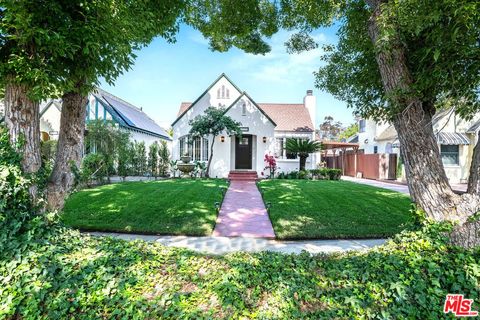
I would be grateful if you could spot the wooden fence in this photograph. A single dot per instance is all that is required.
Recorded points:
(378, 166)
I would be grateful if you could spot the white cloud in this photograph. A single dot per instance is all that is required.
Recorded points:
(278, 65)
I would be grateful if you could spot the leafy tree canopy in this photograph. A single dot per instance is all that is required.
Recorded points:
(349, 131)
(61, 46)
(440, 38)
(214, 122)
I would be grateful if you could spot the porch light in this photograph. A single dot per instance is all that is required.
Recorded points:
(264, 139)
(222, 138)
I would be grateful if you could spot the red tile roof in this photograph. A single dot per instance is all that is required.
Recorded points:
(287, 116)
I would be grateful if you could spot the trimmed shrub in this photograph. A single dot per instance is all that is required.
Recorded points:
(322, 173)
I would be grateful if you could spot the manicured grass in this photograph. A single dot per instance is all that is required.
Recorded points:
(179, 206)
(333, 209)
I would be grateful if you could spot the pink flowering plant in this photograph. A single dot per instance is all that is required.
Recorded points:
(271, 165)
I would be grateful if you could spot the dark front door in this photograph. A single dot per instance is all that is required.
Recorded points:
(243, 152)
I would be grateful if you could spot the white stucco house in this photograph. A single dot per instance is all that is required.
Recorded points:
(456, 139)
(265, 127)
(104, 105)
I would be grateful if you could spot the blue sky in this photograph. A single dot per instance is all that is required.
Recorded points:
(165, 74)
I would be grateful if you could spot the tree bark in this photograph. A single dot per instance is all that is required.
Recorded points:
(210, 156)
(474, 175)
(426, 178)
(22, 117)
(466, 235)
(69, 148)
(303, 161)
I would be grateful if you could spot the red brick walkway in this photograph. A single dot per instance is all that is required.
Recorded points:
(243, 213)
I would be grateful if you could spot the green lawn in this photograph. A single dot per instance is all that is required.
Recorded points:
(180, 206)
(303, 209)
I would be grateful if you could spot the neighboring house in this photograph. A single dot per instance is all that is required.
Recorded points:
(456, 140)
(265, 126)
(103, 105)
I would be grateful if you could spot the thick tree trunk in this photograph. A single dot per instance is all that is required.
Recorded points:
(426, 176)
(22, 117)
(474, 176)
(210, 156)
(69, 148)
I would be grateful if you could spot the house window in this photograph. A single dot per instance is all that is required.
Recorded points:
(243, 141)
(449, 154)
(182, 142)
(279, 148)
(223, 92)
(244, 109)
(228, 94)
(361, 125)
(196, 148)
(375, 149)
(205, 149)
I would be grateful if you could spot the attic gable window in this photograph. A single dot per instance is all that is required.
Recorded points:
(223, 93)
(244, 109)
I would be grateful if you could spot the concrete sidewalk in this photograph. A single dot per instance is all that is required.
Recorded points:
(380, 184)
(223, 245)
(403, 188)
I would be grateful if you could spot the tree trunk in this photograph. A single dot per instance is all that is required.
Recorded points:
(22, 117)
(426, 177)
(474, 175)
(69, 148)
(210, 156)
(303, 161)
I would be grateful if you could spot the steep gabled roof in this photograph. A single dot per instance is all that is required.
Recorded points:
(56, 103)
(289, 116)
(186, 108)
(244, 94)
(128, 115)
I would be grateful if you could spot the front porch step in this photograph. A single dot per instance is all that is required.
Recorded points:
(243, 175)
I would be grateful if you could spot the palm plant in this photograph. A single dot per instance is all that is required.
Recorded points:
(302, 148)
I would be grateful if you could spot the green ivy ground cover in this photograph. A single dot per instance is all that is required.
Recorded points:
(173, 206)
(56, 273)
(302, 209)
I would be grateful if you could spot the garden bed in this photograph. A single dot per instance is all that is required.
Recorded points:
(306, 209)
(173, 206)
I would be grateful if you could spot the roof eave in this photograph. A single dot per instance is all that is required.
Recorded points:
(205, 92)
